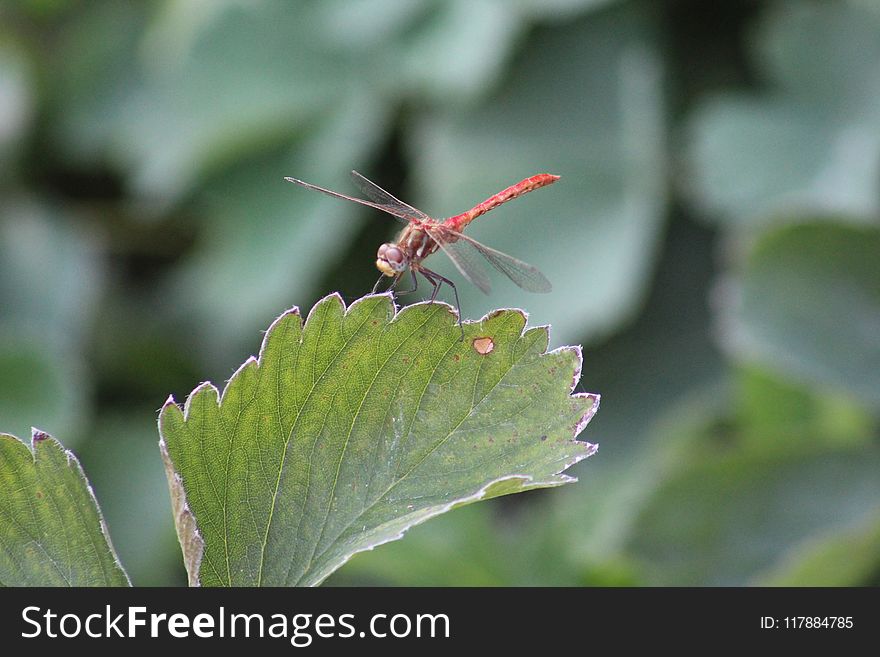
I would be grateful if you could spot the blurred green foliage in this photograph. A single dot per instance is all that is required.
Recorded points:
(714, 243)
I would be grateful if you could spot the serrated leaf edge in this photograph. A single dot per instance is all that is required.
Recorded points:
(192, 545)
(37, 436)
(185, 515)
(476, 497)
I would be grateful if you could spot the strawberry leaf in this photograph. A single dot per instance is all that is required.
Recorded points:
(350, 429)
(51, 530)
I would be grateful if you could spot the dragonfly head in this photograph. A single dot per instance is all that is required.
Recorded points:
(391, 260)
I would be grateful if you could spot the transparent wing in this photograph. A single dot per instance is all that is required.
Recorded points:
(393, 210)
(462, 250)
(466, 260)
(387, 200)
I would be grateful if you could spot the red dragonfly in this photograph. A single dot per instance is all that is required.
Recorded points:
(423, 236)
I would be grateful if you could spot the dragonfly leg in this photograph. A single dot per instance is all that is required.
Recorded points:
(376, 286)
(414, 287)
(437, 280)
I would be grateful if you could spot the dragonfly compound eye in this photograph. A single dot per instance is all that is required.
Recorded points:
(390, 260)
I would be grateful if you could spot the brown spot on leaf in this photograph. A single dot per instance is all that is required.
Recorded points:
(543, 438)
(484, 345)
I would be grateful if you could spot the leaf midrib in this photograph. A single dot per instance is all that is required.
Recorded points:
(415, 466)
(375, 378)
(299, 412)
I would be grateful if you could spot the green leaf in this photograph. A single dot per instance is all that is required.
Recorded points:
(779, 414)
(729, 521)
(810, 307)
(50, 280)
(453, 51)
(810, 142)
(176, 98)
(51, 274)
(51, 530)
(352, 428)
(847, 558)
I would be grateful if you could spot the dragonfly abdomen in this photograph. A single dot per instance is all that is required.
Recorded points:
(458, 222)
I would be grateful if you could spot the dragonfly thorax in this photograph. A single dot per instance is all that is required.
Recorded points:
(391, 260)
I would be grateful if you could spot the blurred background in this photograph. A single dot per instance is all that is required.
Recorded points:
(714, 243)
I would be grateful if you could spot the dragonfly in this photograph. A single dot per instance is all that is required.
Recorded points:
(423, 236)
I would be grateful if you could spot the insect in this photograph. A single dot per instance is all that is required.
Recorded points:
(423, 235)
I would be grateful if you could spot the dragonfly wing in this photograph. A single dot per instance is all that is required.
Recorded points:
(392, 210)
(386, 199)
(526, 276)
(464, 258)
